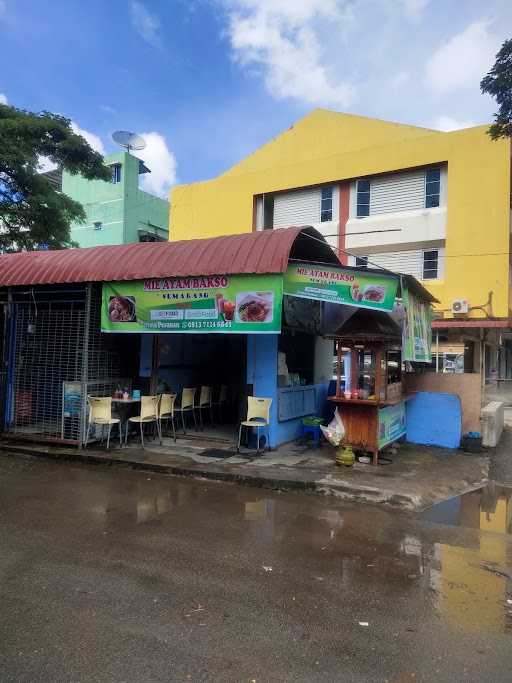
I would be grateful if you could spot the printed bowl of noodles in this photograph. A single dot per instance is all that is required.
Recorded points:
(254, 307)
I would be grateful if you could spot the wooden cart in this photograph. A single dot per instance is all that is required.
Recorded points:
(374, 413)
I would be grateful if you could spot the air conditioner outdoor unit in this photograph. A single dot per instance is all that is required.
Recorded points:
(460, 306)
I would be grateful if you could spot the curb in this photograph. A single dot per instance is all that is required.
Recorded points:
(195, 472)
(321, 486)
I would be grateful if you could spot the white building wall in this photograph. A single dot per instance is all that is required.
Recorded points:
(409, 261)
(396, 192)
(324, 357)
(398, 216)
(399, 228)
(259, 213)
(302, 207)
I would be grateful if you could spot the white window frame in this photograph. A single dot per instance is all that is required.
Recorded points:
(429, 251)
(440, 185)
(116, 173)
(369, 192)
(322, 199)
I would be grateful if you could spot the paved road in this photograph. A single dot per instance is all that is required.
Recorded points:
(501, 461)
(113, 575)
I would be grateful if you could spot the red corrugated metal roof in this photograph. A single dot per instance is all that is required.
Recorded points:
(257, 252)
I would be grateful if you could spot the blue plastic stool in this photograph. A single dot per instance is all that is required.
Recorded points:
(314, 431)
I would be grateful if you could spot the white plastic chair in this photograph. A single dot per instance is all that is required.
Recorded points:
(188, 405)
(205, 402)
(100, 413)
(166, 412)
(258, 415)
(148, 414)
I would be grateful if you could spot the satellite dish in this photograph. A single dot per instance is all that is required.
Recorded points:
(128, 140)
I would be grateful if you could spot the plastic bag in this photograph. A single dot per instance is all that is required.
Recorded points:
(335, 430)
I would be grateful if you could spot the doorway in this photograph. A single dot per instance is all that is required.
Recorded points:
(210, 360)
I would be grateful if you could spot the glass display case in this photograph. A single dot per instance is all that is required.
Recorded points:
(370, 401)
(369, 373)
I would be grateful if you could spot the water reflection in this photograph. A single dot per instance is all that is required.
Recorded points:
(461, 575)
(488, 508)
(257, 509)
(472, 584)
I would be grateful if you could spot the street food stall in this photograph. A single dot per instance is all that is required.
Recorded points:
(370, 401)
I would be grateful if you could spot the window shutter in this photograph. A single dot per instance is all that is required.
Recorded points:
(398, 192)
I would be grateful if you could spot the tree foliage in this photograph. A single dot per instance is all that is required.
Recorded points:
(498, 84)
(32, 212)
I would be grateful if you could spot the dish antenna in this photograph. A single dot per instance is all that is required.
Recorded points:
(128, 140)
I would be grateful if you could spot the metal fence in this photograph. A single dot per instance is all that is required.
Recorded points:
(56, 357)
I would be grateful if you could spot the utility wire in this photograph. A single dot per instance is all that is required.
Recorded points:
(370, 232)
(348, 253)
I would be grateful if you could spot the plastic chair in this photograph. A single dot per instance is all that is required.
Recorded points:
(258, 415)
(221, 401)
(188, 405)
(100, 413)
(166, 412)
(148, 413)
(205, 401)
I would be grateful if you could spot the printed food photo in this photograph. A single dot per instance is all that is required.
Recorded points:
(225, 307)
(254, 307)
(356, 293)
(121, 309)
(375, 293)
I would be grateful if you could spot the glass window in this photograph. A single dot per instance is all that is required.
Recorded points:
(326, 204)
(363, 198)
(430, 264)
(432, 187)
(116, 173)
(361, 261)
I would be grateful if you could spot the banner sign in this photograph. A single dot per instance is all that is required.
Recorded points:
(218, 303)
(416, 330)
(341, 286)
(391, 424)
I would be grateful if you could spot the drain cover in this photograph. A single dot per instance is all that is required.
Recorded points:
(216, 453)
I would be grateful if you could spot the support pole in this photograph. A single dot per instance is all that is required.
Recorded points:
(85, 365)
(338, 374)
(437, 350)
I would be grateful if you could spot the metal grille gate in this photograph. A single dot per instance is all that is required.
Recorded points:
(57, 357)
(48, 348)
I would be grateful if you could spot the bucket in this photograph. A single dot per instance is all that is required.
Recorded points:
(471, 443)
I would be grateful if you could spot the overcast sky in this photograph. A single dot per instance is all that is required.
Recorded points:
(208, 81)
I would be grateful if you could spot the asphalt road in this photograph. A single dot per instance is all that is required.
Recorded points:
(113, 575)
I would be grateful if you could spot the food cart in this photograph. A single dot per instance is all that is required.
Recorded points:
(370, 400)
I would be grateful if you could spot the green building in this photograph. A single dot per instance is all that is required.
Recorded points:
(118, 212)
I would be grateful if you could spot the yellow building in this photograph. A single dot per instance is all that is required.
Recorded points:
(410, 199)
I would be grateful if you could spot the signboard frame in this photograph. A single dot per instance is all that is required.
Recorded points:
(347, 286)
(234, 304)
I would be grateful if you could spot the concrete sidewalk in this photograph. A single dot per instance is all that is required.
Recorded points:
(417, 477)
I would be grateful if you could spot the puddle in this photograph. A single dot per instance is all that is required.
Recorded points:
(487, 509)
(328, 558)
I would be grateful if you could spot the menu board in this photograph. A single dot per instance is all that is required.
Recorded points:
(341, 286)
(216, 303)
